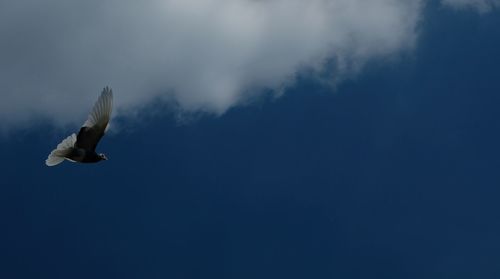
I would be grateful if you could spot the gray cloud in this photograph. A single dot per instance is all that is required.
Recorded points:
(206, 55)
(480, 5)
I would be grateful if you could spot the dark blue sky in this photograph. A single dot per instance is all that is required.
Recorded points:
(393, 175)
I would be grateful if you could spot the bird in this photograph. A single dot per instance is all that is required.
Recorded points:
(81, 148)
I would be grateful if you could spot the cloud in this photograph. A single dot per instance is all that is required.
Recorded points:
(480, 5)
(205, 55)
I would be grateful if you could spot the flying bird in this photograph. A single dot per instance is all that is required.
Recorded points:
(81, 148)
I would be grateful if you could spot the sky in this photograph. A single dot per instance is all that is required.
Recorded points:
(253, 139)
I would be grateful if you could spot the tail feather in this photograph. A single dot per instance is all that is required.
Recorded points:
(63, 149)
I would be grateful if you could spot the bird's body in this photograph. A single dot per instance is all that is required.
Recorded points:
(81, 148)
(83, 156)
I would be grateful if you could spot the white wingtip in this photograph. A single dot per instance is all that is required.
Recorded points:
(58, 155)
(101, 112)
(53, 160)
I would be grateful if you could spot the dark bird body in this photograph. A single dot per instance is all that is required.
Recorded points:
(81, 148)
(83, 156)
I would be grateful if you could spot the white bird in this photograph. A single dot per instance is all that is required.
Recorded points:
(81, 148)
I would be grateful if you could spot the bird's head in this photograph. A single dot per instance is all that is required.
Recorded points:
(102, 156)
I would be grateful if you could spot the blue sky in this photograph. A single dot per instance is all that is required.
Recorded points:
(392, 174)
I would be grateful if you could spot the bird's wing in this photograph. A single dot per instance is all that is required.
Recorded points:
(94, 128)
(63, 149)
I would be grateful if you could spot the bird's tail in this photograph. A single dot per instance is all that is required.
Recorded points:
(63, 149)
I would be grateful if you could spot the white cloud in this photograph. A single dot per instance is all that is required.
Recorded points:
(480, 5)
(206, 55)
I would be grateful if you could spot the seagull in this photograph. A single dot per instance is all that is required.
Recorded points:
(81, 148)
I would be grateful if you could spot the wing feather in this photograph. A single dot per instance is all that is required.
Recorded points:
(94, 128)
(63, 149)
(101, 112)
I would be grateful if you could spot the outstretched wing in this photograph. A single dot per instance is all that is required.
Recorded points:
(94, 128)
